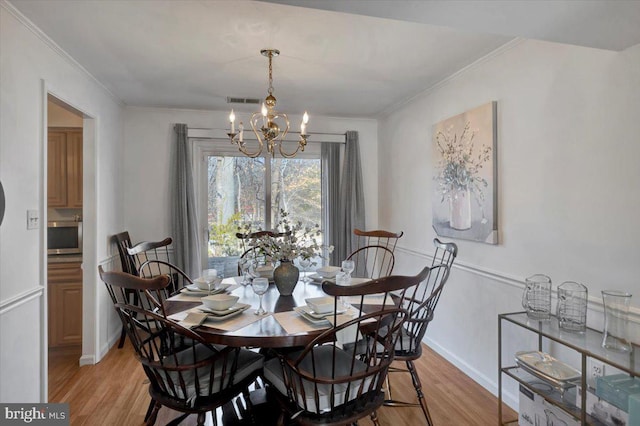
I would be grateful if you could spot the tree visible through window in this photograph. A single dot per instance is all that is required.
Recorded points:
(237, 194)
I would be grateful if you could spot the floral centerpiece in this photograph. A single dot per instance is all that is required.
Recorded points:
(459, 177)
(298, 241)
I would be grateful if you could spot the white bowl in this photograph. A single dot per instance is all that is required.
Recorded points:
(328, 271)
(219, 302)
(321, 305)
(203, 282)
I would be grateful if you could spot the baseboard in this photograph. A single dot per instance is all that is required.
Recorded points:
(87, 360)
(111, 341)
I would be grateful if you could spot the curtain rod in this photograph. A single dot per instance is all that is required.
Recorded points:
(309, 133)
(218, 133)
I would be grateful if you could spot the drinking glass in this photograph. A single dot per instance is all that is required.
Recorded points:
(245, 265)
(572, 306)
(209, 276)
(616, 310)
(348, 266)
(260, 286)
(304, 264)
(536, 298)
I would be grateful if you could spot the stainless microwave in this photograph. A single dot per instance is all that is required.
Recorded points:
(64, 237)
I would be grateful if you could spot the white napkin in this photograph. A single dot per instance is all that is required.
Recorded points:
(193, 319)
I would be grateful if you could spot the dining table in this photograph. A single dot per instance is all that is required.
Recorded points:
(281, 327)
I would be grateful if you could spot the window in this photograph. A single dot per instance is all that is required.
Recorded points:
(235, 189)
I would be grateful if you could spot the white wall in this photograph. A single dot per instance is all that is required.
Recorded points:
(26, 60)
(149, 138)
(568, 193)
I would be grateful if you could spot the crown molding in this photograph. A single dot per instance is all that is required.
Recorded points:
(9, 7)
(494, 53)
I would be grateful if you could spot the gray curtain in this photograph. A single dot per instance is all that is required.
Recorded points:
(330, 177)
(351, 206)
(183, 206)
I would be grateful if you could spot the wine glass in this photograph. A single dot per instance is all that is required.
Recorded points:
(260, 286)
(348, 266)
(305, 263)
(245, 265)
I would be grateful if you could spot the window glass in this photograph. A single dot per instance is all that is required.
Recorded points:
(243, 190)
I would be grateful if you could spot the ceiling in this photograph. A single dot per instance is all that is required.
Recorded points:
(349, 62)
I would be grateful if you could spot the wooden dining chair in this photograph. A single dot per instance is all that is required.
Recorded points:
(372, 262)
(421, 311)
(378, 237)
(133, 256)
(127, 263)
(193, 377)
(338, 377)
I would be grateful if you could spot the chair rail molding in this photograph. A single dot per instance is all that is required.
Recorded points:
(594, 303)
(20, 299)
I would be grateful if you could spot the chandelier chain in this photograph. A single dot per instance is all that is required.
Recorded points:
(270, 74)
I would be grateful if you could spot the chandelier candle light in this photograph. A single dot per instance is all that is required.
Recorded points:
(265, 123)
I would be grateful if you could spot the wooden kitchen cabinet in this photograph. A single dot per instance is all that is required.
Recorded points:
(65, 304)
(64, 177)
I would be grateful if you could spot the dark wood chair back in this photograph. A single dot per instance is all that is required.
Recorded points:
(151, 250)
(421, 308)
(178, 279)
(445, 253)
(185, 373)
(338, 377)
(378, 237)
(372, 262)
(123, 242)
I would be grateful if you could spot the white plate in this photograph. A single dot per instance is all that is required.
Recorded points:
(234, 308)
(304, 314)
(319, 280)
(193, 290)
(217, 318)
(308, 311)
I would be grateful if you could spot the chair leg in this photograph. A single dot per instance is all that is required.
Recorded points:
(389, 397)
(152, 404)
(201, 418)
(418, 386)
(154, 414)
(374, 418)
(123, 336)
(249, 406)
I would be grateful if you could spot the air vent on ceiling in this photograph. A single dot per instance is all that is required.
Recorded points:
(231, 100)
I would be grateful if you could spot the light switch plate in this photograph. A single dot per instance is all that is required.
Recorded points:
(33, 219)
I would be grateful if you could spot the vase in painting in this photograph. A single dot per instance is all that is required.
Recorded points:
(460, 209)
(286, 277)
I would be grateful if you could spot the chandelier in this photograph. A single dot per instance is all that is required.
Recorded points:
(269, 125)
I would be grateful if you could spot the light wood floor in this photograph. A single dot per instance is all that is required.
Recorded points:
(114, 392)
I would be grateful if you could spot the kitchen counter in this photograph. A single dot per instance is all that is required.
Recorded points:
(64, 258)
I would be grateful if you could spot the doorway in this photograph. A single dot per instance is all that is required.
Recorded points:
(64, 244)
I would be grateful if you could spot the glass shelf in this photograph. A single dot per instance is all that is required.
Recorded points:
(549, 393)
(588, 343)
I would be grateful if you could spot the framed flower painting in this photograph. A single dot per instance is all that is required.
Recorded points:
(465, 196)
